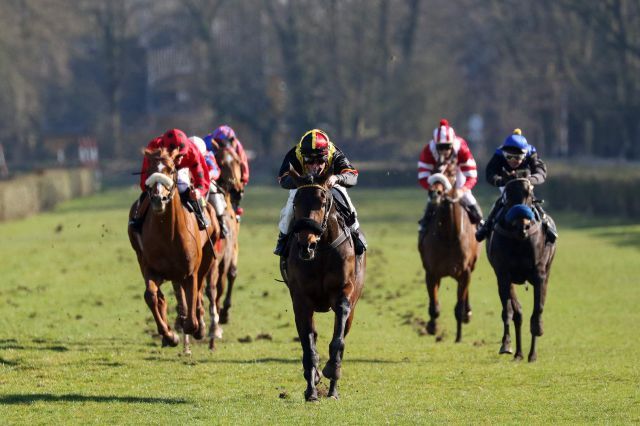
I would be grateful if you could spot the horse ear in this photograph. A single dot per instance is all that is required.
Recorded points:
(215, 145)
(146, 151)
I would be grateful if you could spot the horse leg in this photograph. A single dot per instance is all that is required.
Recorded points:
(308, 336)
(434, 306)
(221, 287)
(190, 288)
(539, 296)
(157, 304)
(333, 368)
(231, 278)
(461, 309)
(517, 322)
(504, 289)
(181, 308)
(211, 292)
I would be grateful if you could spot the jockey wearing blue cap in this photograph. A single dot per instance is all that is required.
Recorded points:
(515, 158)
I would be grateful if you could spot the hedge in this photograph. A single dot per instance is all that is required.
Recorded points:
(28, 194)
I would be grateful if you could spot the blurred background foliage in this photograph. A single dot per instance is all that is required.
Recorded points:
(376, 74)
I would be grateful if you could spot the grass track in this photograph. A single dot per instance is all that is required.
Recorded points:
(76, 342)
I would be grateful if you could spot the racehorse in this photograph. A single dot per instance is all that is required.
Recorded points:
(322, 273)
(224, 272)
(171, 247)
(448, 249)
(519, 251)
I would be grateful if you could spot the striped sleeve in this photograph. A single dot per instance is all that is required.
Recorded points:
(467, 165)
(425, 166)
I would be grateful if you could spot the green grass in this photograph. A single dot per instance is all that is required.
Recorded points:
(77, 344)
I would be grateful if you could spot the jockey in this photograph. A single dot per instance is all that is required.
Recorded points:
(443, 150)
(315, 153)
(190, 163)
(215, 195)
(225, 136)
(515, 157)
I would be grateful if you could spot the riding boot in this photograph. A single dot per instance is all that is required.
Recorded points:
(224, 229)
(359, 241)
(136, 221)
(485, 227)
(281, 244)
(203, 222)
(475, 214)
(428, 212)
(551, 232)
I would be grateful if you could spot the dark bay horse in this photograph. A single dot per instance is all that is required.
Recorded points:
(322, 273)
(519, 251)
(225, 269)
(171, 247)
(448, 249)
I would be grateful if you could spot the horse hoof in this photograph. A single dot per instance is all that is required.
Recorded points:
(431, 328)
(518, 357)
(505, 350)
(331, 372)
(187, 352)
(172, 340)
(218, 333)
(467, 317)
(533, 357)
(311, 396)
(224, 317)
(212, 346)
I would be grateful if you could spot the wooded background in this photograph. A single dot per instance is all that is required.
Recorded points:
(376, 74)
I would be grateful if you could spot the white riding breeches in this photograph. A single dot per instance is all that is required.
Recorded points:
(217, 199)
(184, 180)
(468, 199)
(286, 214)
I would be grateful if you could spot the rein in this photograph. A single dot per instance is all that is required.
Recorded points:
(317, 227)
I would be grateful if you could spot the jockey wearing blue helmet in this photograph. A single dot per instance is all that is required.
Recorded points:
(514, 158)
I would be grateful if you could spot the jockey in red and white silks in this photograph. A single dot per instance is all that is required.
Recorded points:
(444, 149)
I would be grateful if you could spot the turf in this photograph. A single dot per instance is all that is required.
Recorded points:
(78, 344)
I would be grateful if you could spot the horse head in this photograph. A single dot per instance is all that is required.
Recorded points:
(311, 205)
(521, 219)
(440, 188)
(161, 183)
(518, 191)
(229, 162)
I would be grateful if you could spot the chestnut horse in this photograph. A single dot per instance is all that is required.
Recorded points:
(322, 273)
(448, 249)
(171, 247)
(519, 251)
(224, 271)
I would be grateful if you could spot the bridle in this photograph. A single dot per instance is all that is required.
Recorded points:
(172, 190)
(319, 228)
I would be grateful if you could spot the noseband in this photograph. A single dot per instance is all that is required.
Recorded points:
(174, 183)
(308, 223)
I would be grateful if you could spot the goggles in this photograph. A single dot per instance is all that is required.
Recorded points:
(444, 146)
(513, 156)
(316, 159)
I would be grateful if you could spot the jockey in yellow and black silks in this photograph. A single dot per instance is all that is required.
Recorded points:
(316, 154)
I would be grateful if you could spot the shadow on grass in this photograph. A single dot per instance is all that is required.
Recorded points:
(623, 237)
(213, 359)
(73, 397)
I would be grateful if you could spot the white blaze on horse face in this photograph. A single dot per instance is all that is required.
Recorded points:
(160, 167)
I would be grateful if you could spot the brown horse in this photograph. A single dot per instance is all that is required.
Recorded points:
(224, 271)
(448, 249)
(518, 251)
(171, 247)
(322, 273)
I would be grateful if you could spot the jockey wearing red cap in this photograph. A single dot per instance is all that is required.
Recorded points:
(444, 150)
(190, 166)
(316, 154)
